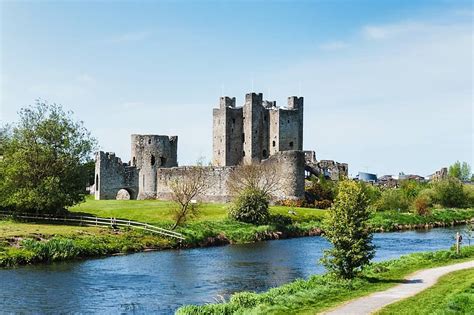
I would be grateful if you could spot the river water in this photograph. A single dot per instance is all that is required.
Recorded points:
(160, 282)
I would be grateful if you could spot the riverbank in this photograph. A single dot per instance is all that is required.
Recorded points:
(323, 292)
(28, 243)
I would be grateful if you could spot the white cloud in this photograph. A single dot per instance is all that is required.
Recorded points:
(401, 104)
(85, 78)
(334, 45)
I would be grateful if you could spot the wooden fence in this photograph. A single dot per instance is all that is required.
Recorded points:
(96, 221)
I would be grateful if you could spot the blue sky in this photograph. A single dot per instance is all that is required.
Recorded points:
(387, 84)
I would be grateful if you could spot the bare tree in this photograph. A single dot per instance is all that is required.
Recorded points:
(192, 182)
(262, 177)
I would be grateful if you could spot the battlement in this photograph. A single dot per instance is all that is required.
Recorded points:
(295, 102)
(226, 101)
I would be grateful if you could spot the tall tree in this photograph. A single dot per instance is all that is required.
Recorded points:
(43, 160)
(348, 231)
(461, 171)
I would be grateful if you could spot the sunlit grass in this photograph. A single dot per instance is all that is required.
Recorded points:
(453, 294)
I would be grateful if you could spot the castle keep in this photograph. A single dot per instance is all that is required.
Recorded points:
(257, 132)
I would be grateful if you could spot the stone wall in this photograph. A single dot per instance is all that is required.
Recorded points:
(111, 175)
(289, 166)
(328, 168)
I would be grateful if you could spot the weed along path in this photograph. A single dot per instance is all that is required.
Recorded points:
(412, 285)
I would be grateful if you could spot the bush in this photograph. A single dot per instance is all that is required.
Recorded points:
(421, 205)
(295, 203)
(321, 189)
(469, 191)
(393, 199)
(322, 204)
(450, 192)
(251, 206)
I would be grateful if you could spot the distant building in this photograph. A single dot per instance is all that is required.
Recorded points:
(367, 177)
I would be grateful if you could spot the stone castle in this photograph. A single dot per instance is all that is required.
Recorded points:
(257, 132)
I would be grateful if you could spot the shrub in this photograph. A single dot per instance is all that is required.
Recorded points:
(251, 206)
(321, 189)
(322, 204)
(421, 205)
(469, 191)
(296, 203)
(450, 193)
(393, 199)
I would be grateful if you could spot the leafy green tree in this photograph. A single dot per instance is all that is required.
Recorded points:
(450, 192)
(461, 171)
(42, 169)
(347, 229)
(4, 137)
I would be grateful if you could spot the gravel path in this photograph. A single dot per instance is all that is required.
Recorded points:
(414, 284)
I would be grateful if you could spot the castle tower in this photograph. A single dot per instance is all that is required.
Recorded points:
(256, 129)
(150, 152)
(227, 141)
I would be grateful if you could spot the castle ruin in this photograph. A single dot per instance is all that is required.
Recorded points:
(257, 132)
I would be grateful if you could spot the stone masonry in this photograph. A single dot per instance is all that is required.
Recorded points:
(256, 130)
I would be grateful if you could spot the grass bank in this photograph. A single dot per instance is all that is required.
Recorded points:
(47, 243)
(322, 292)
(453, 294)
(210, 228)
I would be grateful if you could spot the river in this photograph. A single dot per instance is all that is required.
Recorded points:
(160, 282)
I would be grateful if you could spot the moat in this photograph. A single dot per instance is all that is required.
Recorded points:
(160, 282)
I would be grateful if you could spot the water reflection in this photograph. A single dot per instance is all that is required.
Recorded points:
(160, 282)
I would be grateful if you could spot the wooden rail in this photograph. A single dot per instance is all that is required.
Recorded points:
(97, 221)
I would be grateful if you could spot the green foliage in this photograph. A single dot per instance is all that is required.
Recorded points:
(321, 292)
(450, 193)
(393, 200)
(251, 206)
(5, 135)
(347, 229)
(321, 192)
(43, 161)
(422, 204)
(461, 171)
(411, 188)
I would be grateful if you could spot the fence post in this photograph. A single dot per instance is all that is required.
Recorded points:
(458, 241)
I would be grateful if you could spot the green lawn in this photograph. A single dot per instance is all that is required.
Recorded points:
(159, 211)
(10, 229)
(453, 294)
